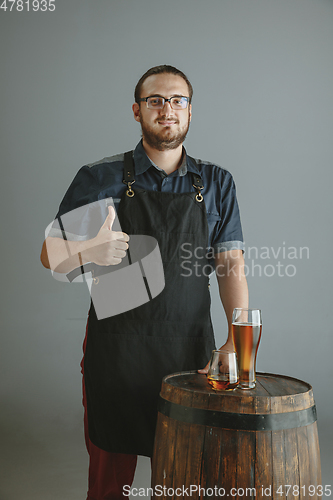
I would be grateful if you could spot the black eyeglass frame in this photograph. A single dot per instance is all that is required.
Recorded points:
(145, 99)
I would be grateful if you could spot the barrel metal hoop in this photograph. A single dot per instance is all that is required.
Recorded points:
(238, 421)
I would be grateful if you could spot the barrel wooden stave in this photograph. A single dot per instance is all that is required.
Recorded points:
(279, 467)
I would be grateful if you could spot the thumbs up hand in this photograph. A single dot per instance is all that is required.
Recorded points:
(108, 247)
(108, 223)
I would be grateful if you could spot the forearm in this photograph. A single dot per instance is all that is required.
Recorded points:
(107, 248)
(62, 256)
(232, 285)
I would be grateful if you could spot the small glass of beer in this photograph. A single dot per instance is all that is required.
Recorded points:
(246, 334)
(223, 371)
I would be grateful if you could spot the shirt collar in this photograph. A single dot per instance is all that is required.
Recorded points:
(143, 163)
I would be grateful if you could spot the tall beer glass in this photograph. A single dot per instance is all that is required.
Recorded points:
(246, 334)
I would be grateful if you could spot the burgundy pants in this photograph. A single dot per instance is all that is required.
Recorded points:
(108, 472)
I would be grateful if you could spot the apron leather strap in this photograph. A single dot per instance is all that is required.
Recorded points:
(129, 172)
(128, 168)
(197, 182)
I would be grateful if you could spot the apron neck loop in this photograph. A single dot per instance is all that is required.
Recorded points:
(129, 177)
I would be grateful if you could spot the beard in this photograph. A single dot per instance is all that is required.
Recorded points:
(164, 139)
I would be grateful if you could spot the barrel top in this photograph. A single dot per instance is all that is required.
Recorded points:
(267, 384)
(272, 394)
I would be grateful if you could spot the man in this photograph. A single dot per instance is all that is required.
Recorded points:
(187, 205)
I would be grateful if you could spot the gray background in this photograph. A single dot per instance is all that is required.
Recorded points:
(262, 72)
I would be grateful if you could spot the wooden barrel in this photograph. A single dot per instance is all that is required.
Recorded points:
(259, 443)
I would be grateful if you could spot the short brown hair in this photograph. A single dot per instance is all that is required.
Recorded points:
(156, 70)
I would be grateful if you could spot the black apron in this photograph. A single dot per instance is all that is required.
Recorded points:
(128, 354)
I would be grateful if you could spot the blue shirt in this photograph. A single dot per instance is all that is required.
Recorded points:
(104, 179)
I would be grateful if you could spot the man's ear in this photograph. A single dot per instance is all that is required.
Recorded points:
(136, 111)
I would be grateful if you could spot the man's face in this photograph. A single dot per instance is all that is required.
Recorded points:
(163, 128)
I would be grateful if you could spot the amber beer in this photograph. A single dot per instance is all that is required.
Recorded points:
(246, 338)
(221, 385)
(223, 370)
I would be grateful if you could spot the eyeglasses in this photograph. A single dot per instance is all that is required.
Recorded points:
(158, 102)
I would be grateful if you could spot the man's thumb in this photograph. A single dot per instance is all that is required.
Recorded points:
(110, 218)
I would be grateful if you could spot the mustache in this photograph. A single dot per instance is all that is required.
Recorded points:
(165, 118)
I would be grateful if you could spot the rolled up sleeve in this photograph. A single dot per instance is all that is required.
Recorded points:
(228, 233)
